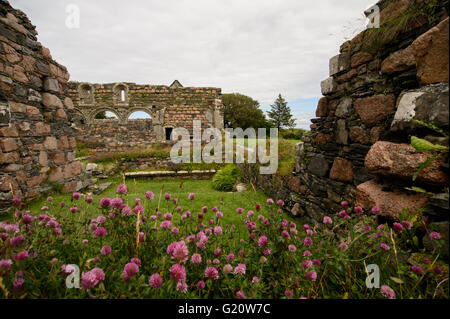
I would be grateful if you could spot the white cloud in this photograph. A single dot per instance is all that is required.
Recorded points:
(258, 48)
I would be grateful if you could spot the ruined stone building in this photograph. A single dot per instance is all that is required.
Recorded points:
(42, 114)
(169, 107)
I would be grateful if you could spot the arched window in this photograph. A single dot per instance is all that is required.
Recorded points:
(105, 115)
(120, 92)
(139, 115)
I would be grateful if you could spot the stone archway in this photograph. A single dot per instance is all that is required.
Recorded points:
(93, 113)
(79, 118)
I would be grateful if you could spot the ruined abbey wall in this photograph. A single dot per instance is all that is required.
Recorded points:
(36, 138)
(168, 106)
(359, 149)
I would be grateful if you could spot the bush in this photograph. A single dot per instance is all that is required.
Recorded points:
(225, 179)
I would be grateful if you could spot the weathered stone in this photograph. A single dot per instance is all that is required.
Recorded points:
(12, 21)
(322, 107)
(35, 180)
(438, 206)
(51, 85)
(28, 63)
(342, 170)
(31, 110)
(319, 166)
(375, 109)
(9, 131)
(402, 161)
(60, 113)
(72, 169)
(56, 175)
(63, 143)
(328, 86)
(391, 204)
(323, 138)
(432, 54)
(429, 104)
(339, 63)
(399, 61)
(297, 210)
(393, 10)
(34, 96)
(51, 101)
(59, 158)
(70, 187)
(102, 187)
(17, 107)
(343, 107)
(46, 53)
(68, 103)
(299, 147)
(359, 58)
(13, 167)
(375, 133)
(42, 128)
(91, 167)
(8, 158)
(42, 67)
(358, 135)
(294, 184)
(43, 159)
(19, 74)
(241, 187)
(50, 143)
(8, 144)
(341, 132)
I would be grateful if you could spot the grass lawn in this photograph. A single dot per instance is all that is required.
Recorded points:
(205, 195)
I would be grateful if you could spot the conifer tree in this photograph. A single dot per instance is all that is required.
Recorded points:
(280, 114)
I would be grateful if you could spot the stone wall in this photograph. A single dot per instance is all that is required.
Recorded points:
(109, 135)
(358, 148)
(168, 106)
(36, 138)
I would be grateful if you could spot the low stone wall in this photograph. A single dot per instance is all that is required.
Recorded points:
(109, 136)
(36, 138)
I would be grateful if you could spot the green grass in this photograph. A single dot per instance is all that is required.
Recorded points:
(205, 195)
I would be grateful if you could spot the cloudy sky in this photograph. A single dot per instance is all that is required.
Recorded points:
(259, 48)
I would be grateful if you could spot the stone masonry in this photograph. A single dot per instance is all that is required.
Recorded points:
(168, 106)
(36, 138)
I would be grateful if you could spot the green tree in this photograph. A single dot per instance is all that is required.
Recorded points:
(280, 114)
(243, 111)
